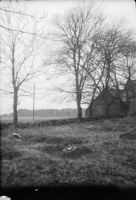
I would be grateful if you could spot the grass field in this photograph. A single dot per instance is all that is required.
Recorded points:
(29, 119)
(100, 157)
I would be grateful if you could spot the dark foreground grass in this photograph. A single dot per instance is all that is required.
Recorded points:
(101, 157)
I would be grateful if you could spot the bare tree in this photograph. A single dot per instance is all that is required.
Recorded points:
(75, 36)
(19, 54)
(10, 9)
(124, 70)
(94, 82)
(111, 45)
(128, 74)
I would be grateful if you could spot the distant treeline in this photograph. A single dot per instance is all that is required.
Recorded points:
(69, 112)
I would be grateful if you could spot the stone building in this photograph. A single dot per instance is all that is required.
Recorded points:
(98, 107)
(118, 105)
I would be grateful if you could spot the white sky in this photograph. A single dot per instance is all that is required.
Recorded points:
(115, 8)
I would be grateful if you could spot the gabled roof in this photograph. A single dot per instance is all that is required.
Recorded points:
(111, 91)
(114, 92)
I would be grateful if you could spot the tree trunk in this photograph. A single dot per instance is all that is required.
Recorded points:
(106, 98)
(107, 106)
(90, 110)
(78, 98)
(15, 100)
(15, 97)
(79, 109)
(106, 109)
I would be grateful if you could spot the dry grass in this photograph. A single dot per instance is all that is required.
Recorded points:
(101, 157)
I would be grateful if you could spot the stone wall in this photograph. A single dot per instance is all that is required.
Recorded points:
(55, 122)
(43, 123)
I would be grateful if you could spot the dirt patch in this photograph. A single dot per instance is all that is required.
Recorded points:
(72, 141)
(81, 151)
(51, 149)
(134, 164)
(48, 139)
(9, 154)
(42, 138)
(58, 150)
(108, 144)
(93, 128)
(102, 127)
(128, 136)
(108, 128)
(131, 135)
(56, 140)
(27, 152)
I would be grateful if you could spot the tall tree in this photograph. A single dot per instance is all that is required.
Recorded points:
(128, 75)
(75, 36)
(111, 46)
(21, 41)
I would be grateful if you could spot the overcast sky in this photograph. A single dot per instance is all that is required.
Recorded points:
(117, 9)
